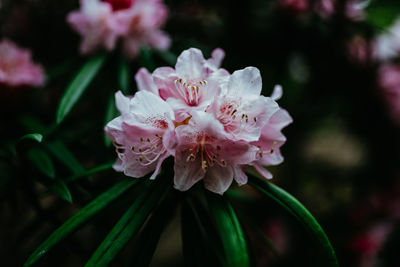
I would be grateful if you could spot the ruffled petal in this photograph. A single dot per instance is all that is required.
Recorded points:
(190, 64)
(145, 81)
(245, 82)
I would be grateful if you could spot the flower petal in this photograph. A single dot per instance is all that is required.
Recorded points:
(245, 82)
(218, 179)
(187, 172)
(145, 81)
(239, 175)
(122, 102)
(190, 64)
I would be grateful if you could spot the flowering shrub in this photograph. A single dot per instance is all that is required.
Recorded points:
(136, 22)
(213, 123)
(17, 68)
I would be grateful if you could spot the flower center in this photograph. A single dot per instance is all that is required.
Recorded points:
(204, 150)
(120, 4)
(233, 119)
(190, 91)
(146, 152)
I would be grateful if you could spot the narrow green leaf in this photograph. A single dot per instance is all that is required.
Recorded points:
(167, 56)
(205, 226)
(42, 162)
(145, 58)
(34, 136)
(80, 218)
(26, 142)
(123, 75)
(78, 85)
(111, 113)
(65, 156)
(62, 190)
(127, 226)
(230, 230)
(296, 209)
(146, 244)
(94, 170)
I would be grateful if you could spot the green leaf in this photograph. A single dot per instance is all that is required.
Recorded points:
(145, 58)
(42, 162)
(382, 16)
(79, 218)
(123, 75)
(111, 113)
(296, 209)
(94, 170)
(230, 230)
(34, 136)
(26, 142)
(78, 85)
(147, 241)
(65, 156)
(62, 190)
(127, 226)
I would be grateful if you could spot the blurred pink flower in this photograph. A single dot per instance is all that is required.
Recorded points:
(138, 134)
(389, 81)
(353, 9)
(295, 5)
(17, 68)
(136, 22)
(359, 50)
(368, 244)
(387, 44)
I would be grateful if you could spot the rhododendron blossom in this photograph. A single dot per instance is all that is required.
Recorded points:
(17, 68)
(213, 123)
(136, 22)
(193, 84)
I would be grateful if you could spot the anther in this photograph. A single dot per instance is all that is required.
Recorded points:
(204, 165)
(133, 148)
(223, 162)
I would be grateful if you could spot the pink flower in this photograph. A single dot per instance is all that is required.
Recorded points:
(387, 44)
(295, 5)
(138, 134)
(389, 80)
(241, 109)
(271, 138)
(102, 23)
(213, 123)
(17, 68)
(204, 151)
(368, 244)
(192, 84)
(354, 9)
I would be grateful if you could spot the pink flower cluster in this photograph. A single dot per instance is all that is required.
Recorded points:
(136, 22)
(17, 68)
(214, 123)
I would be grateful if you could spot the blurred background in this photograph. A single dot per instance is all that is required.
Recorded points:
(338, 63)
